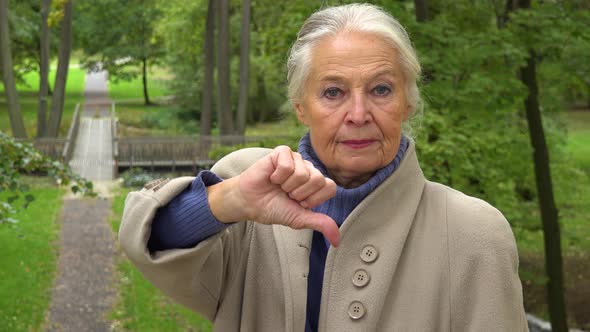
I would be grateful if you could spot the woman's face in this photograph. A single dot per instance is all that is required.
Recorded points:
(354, 103)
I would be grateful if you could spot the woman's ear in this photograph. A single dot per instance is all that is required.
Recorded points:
(300, 113)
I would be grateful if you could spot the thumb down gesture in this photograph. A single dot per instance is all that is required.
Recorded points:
(280, 188)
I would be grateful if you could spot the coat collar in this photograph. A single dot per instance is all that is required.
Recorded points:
(374, 221)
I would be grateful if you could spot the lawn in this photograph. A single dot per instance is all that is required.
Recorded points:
(136, 119)
(28, 260)
(29, 101)
(578, 124)
(141, 306)
(120, 90)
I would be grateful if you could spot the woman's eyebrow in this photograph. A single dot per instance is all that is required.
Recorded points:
(339, 78)
(331, 78)
(383, 72)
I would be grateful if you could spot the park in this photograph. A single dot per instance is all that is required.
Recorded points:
(98, 98)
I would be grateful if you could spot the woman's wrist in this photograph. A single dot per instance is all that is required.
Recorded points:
(226, 202)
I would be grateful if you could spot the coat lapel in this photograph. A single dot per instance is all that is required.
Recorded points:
(383, 221)
(294, 247)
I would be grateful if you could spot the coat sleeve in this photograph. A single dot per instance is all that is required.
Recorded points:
(486, 293)
(195, 277)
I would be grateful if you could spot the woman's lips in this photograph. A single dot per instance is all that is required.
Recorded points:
(358, 143)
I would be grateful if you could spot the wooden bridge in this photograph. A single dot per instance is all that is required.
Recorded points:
(94, 150)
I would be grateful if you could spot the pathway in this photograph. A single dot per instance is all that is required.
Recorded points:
(93, 153)
(83, 293)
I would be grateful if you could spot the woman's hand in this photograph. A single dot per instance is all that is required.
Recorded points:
(280, 188)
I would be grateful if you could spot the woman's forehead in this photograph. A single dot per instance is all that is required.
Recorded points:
(353, 54)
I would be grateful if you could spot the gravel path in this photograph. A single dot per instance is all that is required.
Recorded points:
(83, 292)
(93, 153)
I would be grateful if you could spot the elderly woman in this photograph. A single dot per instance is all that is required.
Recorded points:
(344, 235)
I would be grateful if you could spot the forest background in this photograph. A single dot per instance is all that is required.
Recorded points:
(472, 133)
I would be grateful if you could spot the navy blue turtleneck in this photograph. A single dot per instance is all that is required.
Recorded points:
(186, 219)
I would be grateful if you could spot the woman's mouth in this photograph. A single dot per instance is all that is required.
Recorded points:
(358, 143)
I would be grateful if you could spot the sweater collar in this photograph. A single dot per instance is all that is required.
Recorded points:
(307, 152)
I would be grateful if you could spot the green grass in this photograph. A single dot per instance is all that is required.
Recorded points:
(29, 101)
(141, 306)
(136, 119)
(288, 126)
(28, 261)
(578, 145)
(571, 185)
(133, 89)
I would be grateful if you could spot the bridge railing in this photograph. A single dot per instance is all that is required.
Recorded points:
(68, 148)
(173, 152)
(114, 133)
(49, 146)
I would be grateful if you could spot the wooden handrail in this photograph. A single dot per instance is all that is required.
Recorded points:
(72, 135)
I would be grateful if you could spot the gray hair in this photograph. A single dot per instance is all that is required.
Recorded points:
(359, 18)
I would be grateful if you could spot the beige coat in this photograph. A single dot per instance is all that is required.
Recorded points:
(414, 256)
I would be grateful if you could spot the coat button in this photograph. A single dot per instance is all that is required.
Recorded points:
(361, 278)
(356, 310)
(369, 253)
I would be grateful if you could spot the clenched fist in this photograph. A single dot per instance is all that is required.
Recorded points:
(280, 188)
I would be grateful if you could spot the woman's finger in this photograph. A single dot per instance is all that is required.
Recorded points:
(316, 182)
(320, 196)
(318, 222)
(282, 159)
(300, 175)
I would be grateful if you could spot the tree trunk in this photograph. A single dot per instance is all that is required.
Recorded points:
(43, 70)
(549, 215)
(421, 9)
(16, 118)
(209, 65)
(146, 97)
(261, 96)
(244, 64)
(225, 116)
(65, 47)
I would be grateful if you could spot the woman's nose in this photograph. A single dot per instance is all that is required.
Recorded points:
(359, 111)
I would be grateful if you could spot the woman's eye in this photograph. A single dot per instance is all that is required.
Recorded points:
(382, 90)
(332, 93)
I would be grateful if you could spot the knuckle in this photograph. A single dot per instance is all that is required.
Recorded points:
(301, 175)
(284, 167)
(317, 179)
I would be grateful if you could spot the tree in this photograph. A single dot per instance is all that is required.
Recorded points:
(43, 69)
(549, 215)
(244, 65)
(224, 109)
(63, 64)
(16, 119)
(421, 8)
(209, 66)
(120, 37)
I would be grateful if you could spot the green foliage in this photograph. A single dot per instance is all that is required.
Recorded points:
(137, 177)
(29, 100)
(124, 90)
(117, 35)
(24, 26)
(221, 151)
(29, 259)
(21, 158)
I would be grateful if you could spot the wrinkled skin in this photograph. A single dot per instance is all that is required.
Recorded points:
(354, 103)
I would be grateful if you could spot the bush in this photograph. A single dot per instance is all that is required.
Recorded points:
(21, 158)
(137, 177)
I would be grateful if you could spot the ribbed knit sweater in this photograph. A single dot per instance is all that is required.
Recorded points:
(187, 219)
